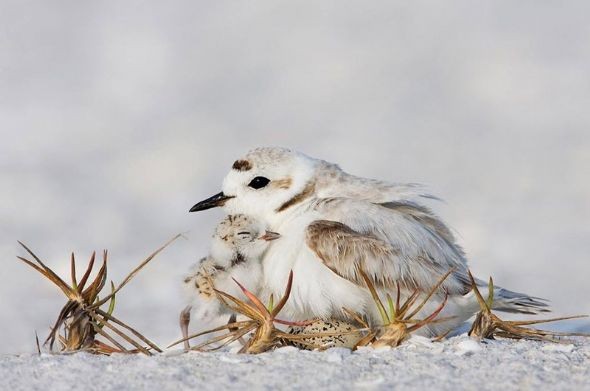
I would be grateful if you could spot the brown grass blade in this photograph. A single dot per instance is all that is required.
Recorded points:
(64, 288)
(375, 295)
(238, 305)
(102, 347)
(431, 317)
(110, 317)
(120, 333)
(285, 297)
(135, 271)
(62, 341)
(63, 314)
(408, 303)
(54, 277)
(37, 342)
(559, 333)
(255, 300)
(90, 293)
(490, 300)
(238, 333)
(89, 268)
(365, 340)
(356, 317)
(442, 336)
(440, 281)
(227, 326)
(537, 321)
(480, 299)
(434, 321)
(294, 322)
(73, 273)
(231, 337)
(108, 337)
(508, 335)
(391, 304)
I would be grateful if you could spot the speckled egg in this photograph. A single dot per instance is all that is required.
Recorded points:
(347, 338)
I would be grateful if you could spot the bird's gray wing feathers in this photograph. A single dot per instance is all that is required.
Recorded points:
(331, 181)
(344, 251)
(389, 245)
(398, 242)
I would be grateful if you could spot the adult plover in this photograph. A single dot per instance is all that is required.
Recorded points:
(333, 224)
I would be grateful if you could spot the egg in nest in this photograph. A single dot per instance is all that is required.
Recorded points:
(325, 334)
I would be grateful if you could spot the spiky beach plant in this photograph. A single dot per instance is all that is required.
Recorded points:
(488, 326)
(260, 330)
(81, 319)
(398, 318)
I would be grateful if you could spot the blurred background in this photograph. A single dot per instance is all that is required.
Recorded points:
(117, 117)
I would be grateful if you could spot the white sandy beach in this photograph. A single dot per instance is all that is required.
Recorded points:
(459, 363)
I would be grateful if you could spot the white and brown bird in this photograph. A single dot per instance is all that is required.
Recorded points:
(333, 224)
(237, 246)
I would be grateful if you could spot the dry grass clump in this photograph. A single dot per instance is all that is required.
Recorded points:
(399, 322)
(82, 320)
(260, 327)
(488, 326)
(398, 318)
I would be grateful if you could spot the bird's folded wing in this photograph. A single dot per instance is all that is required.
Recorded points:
(344, 251)
(400, 243)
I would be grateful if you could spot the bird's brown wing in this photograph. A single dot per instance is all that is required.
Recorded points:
(345, 251)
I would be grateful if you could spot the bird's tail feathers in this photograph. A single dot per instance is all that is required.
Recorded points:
(514, 302)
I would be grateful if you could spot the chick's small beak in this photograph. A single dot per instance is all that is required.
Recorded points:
(218, 199)
(269, 235)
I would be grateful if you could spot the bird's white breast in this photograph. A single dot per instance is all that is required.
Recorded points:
(317, 291)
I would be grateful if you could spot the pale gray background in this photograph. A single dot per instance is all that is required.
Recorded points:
(116, 117)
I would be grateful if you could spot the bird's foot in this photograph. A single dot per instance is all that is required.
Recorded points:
(185, 318)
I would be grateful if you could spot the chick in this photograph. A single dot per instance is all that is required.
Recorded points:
(238, 243)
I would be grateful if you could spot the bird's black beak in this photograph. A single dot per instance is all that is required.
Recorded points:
(212, 202)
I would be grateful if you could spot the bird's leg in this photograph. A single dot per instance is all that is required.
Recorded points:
(235, 330)
(487, 325)
(185, 318)
(231, 320)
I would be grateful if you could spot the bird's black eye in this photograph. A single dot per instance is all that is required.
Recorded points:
(259, 182)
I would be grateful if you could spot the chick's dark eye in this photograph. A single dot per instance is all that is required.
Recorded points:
(259, 182)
